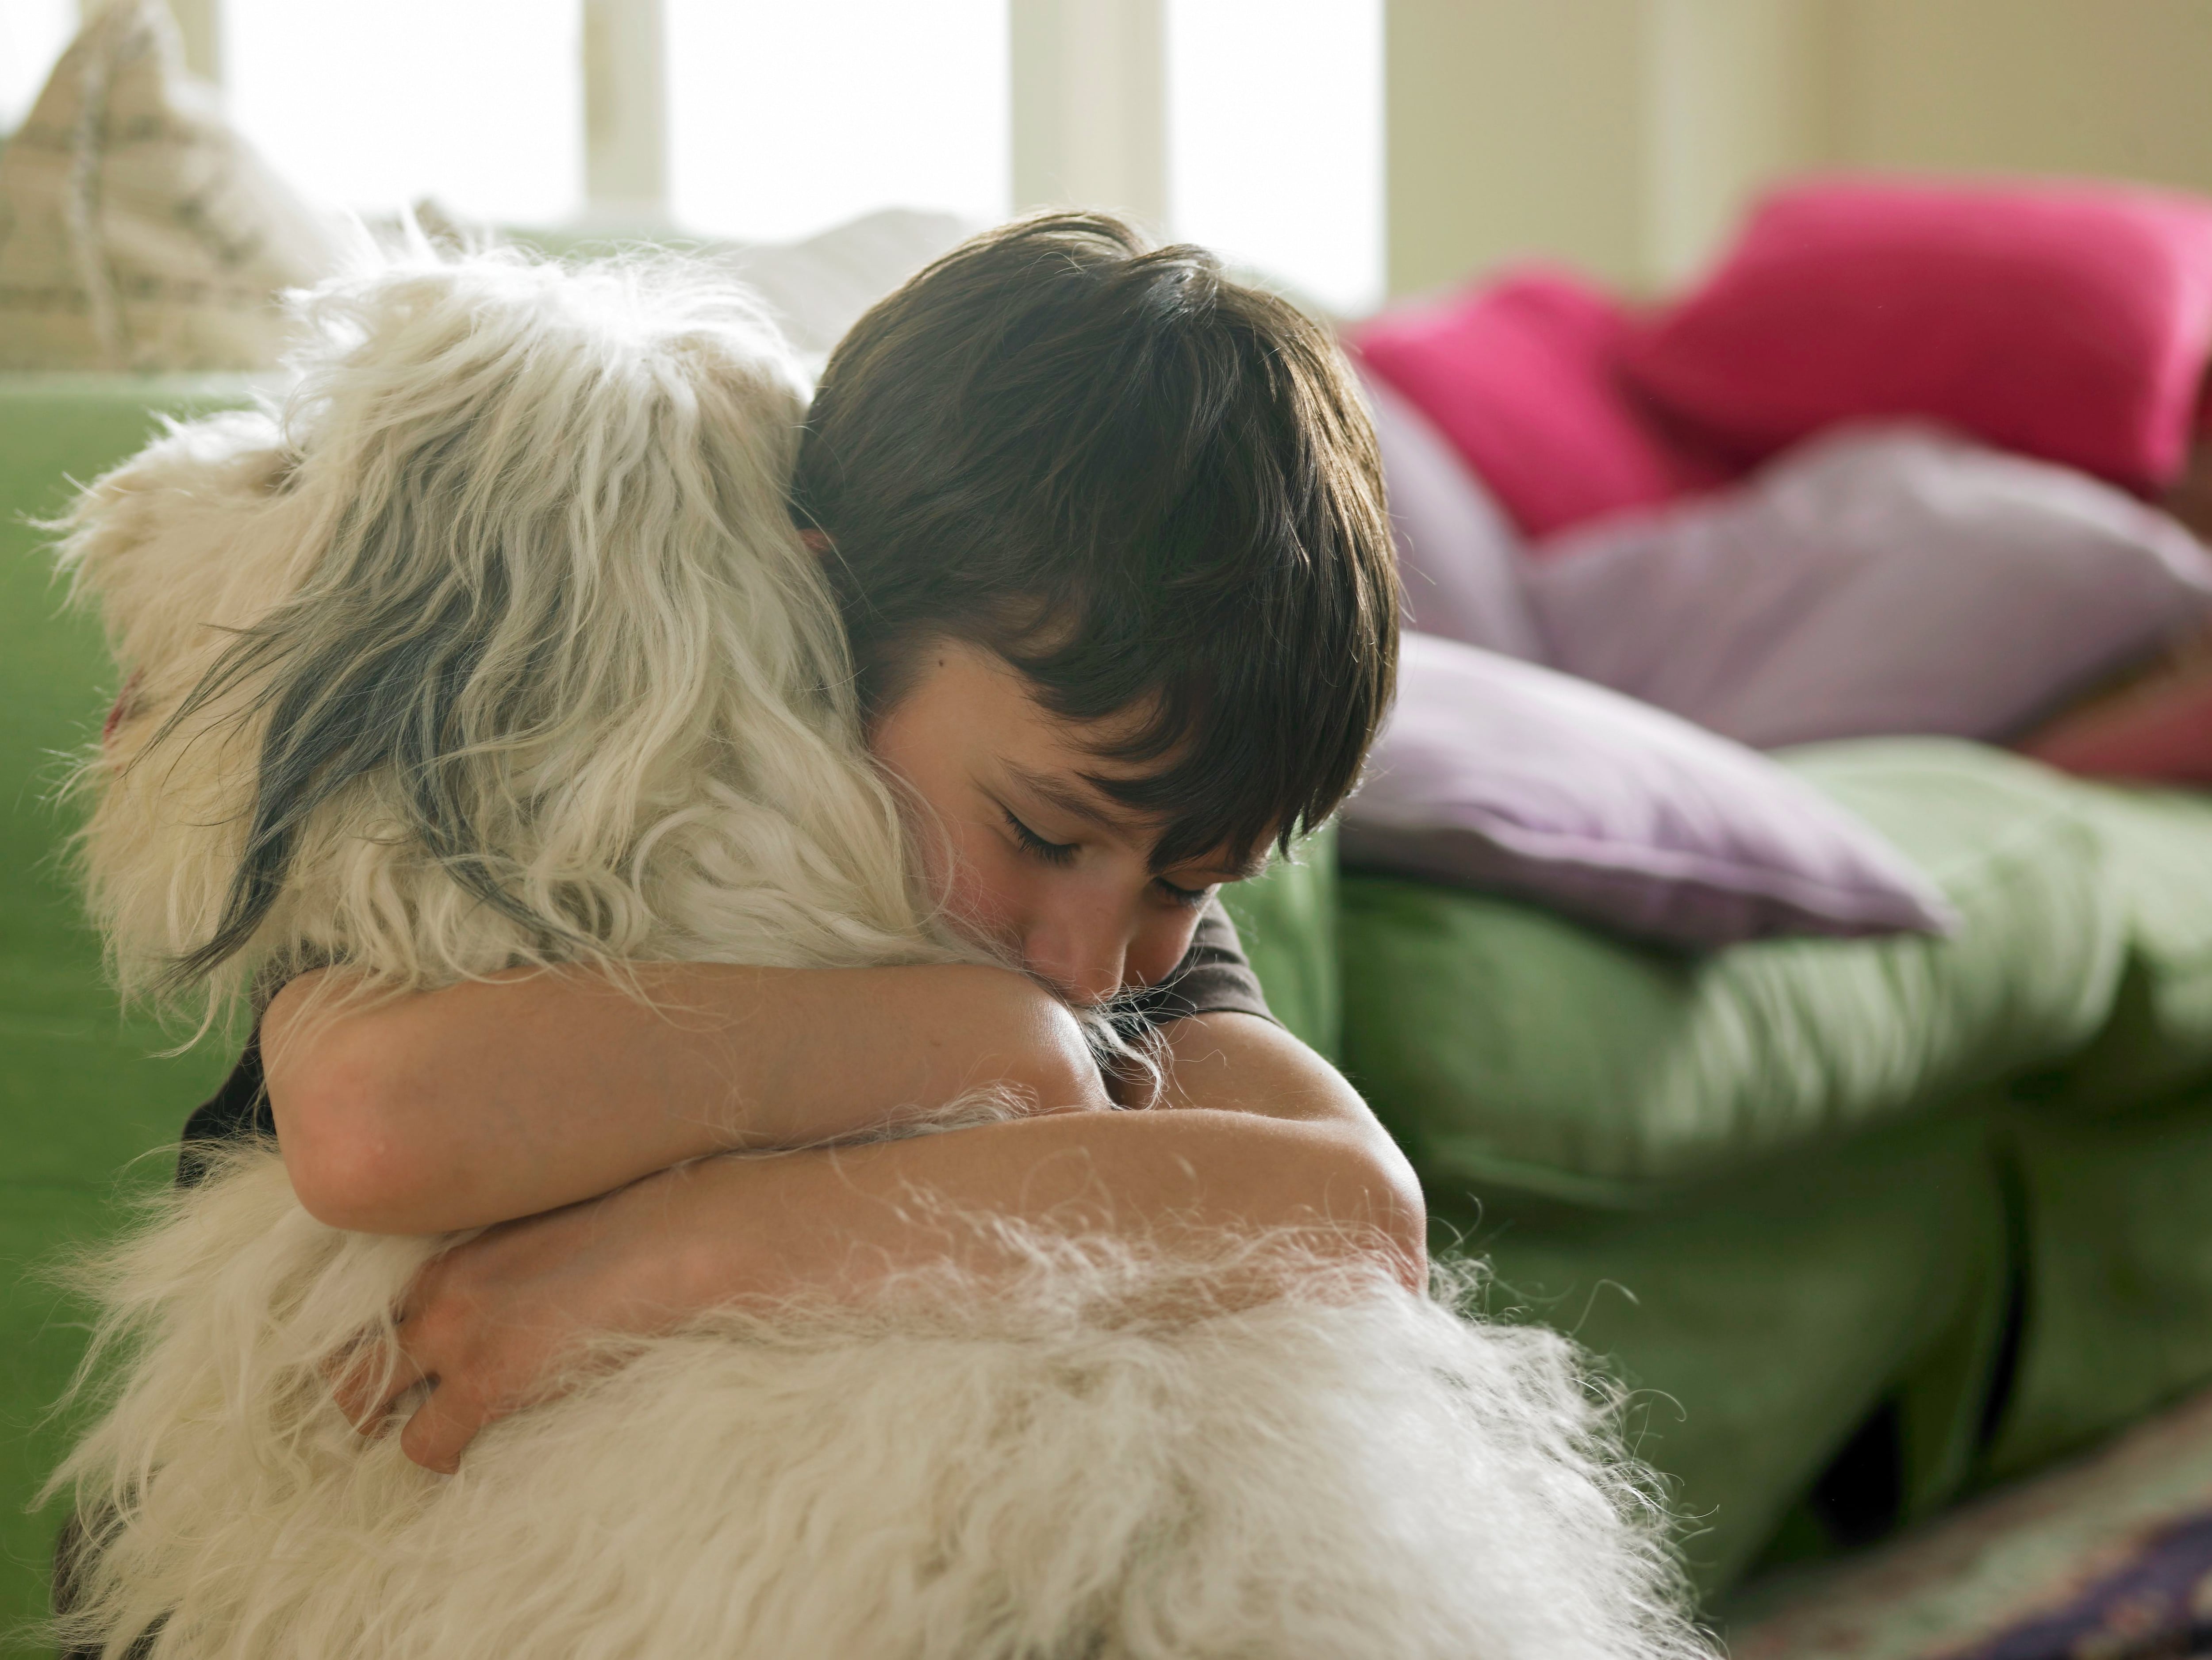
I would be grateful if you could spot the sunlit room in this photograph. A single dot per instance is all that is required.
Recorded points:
(1155, 829)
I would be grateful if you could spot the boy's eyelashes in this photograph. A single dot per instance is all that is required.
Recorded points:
(1052, 852)
(1063, 853)
(1189, 898)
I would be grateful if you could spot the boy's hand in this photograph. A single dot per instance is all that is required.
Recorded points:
(492, 1325)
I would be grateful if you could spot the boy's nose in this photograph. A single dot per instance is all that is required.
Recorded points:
(1085, 960)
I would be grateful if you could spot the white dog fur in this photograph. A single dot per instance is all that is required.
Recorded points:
(494, 646)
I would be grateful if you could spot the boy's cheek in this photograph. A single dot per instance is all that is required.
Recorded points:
(982, 898)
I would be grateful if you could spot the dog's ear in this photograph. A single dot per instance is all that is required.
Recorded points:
(177, 549)
(552, 595)
(163, 546)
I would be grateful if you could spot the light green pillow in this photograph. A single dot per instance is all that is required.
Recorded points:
(1508, 1047)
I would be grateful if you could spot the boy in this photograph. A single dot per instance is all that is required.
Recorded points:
(1107, 533)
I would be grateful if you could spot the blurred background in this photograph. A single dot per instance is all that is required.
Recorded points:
(1357, 148)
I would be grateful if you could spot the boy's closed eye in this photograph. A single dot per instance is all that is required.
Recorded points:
(1061, 854)
(1052, 852)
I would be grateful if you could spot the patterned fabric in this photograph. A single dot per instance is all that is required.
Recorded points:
(2106, 1559)
(2158, 1604)
(137, 230)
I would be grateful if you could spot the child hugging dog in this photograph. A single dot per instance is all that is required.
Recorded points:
(1106, 534)
(580, 856)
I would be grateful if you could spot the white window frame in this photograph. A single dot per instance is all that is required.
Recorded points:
(1087, 98)
(1089, 121)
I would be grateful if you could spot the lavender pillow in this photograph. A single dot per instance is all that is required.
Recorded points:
(1883, 580)
(1458, 558)
(1503, 775)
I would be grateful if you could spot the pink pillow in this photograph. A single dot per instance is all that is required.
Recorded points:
(1519, 373)
(1459, 561)
(2163, 735)
(2066, 322)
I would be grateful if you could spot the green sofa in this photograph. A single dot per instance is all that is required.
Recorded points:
(1936, 1205)
(1957, 1188)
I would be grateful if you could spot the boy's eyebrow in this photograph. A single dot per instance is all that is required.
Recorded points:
(1077, 804)
(1083, 804)
(1244, 870)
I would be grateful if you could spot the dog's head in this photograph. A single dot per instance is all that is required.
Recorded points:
(494, 644)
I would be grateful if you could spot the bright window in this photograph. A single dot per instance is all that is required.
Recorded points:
(31, 35)
(1275, 139)
(786, 118)
(477, 103)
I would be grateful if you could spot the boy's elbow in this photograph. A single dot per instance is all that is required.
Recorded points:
(1401, 1221)
(1369, 1185)
(334, 1106)
(347, 1183)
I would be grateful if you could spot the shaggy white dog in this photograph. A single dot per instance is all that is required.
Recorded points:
(496, 647)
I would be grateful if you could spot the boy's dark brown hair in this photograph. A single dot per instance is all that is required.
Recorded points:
(1152, 490)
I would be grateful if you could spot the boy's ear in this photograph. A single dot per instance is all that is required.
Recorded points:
(817, 542)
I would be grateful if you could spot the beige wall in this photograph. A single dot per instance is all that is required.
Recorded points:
(1511, 126)
(1626, 134)
(2114, 87)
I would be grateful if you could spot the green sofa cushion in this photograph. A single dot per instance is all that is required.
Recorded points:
(1287, 922)
(2119, 1271)
(1510, 1049)
(1759, 1326)
(84, 1095)
(54, 673)
(2158, 1043)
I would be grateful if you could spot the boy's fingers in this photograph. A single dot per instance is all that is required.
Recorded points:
(353, 1374)
(367, 1380)
(441, 1429)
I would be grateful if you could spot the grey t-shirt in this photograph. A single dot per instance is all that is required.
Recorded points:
(1214, 978)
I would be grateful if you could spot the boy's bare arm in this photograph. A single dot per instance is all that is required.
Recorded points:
(491, 1319)
(499, 1099)
(1240, 1064)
